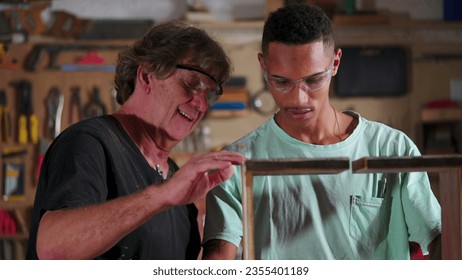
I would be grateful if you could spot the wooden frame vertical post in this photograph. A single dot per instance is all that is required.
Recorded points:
(248, 229)
(451, 199)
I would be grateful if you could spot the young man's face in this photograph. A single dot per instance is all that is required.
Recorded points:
(298, 77)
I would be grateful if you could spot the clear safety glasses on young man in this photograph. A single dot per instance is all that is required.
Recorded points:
(310, 83)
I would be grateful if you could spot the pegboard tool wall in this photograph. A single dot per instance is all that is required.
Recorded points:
(42, 80)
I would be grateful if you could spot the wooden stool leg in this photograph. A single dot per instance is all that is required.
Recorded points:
(248, 217)
(451, 197)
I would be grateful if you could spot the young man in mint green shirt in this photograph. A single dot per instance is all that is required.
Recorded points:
(341, 216)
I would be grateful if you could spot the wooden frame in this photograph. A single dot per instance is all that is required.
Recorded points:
(449, 168)
(252, 168)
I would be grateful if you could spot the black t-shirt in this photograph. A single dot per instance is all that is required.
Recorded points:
(95, 161)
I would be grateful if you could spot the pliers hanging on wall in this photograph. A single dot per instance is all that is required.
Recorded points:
(27, 119)
(95, 107)
(75, 108)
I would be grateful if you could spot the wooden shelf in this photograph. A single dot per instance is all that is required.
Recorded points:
(18, 236)
(360, 19)
(241, 24)
(441, 115)
(228, 113)
(343, 20)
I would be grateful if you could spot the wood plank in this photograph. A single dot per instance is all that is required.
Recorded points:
(297, 166)
(360, 19)
(441, 115)
(14, 237)
(426, 163)
(248, 226)
(451, 209)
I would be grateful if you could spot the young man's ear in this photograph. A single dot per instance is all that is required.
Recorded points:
(337, 57)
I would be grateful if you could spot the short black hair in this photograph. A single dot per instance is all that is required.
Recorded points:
(297, 24)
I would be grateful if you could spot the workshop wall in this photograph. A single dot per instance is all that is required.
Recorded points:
(19, 180)
(434, 64)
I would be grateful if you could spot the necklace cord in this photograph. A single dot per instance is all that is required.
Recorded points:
(337, 125)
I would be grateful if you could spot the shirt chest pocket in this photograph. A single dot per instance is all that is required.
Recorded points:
(369, 219)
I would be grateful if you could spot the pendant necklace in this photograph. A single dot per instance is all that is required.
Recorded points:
(160, 172)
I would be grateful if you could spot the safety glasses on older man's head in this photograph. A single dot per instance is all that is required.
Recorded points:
(197, 81)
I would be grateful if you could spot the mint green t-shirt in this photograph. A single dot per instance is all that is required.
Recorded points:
(335, 216)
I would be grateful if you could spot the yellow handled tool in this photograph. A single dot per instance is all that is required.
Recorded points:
(28, 125)
(5, 120)
(22, 129)
(33, 128)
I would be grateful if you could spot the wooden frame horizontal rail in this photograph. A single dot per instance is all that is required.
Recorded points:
(294, 166)
(406, 164)
(449, 168)
(297, 166)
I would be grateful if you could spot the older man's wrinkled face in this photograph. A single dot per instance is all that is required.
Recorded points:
(181, 100)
